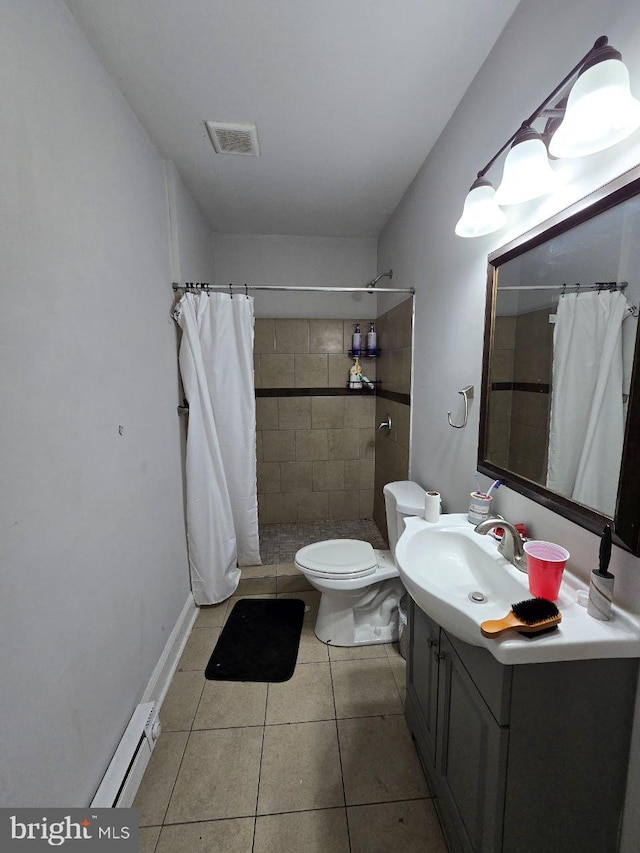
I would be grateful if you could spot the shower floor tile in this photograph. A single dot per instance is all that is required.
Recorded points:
(279, 542)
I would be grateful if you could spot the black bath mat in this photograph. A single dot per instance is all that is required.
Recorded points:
(259, 641)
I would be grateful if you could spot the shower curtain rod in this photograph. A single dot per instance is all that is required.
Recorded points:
(598, 285)
(240, 288)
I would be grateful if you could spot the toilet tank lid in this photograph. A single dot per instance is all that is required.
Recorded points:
(409, 496)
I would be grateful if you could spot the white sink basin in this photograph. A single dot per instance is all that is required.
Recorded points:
(445, 564)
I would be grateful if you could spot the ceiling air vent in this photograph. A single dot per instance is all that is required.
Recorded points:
(229, 138)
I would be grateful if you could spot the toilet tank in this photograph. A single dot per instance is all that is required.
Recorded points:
(402, 498)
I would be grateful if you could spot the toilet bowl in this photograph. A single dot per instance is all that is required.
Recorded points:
(360, 585)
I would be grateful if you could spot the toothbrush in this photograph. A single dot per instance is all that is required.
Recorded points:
(494, 485)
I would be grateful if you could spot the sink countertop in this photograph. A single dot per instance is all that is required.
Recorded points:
(470, 562)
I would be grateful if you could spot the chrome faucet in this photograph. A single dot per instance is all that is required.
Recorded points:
(511, 546)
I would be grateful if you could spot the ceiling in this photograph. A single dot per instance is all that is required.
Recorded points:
(348, 96)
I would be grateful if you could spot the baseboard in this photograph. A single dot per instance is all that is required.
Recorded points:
(124, 773)
(160, 680)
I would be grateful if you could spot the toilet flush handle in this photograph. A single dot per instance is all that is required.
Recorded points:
(386, 424)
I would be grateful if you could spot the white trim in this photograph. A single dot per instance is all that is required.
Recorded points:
(160, 680)
(126, 769)
(124, 774)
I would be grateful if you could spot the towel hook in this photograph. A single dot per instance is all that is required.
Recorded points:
(467, 393)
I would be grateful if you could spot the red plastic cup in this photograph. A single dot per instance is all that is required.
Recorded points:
(545, 565)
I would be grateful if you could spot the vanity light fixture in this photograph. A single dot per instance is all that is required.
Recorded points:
(527, 173)
(481, 213)
(599, 112)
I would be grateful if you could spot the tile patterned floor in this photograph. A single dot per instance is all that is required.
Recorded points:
(279, 542)
(322, 763)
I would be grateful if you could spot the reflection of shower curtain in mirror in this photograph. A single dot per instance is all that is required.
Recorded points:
(216, 364)
(587, 416)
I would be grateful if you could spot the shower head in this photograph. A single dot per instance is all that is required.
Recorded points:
(373, 283)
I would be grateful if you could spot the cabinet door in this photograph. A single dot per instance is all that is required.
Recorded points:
(423, 674)
(471, 757)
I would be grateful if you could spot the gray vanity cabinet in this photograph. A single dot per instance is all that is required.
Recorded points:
(425, 635)
(521, 759)
(472, 778)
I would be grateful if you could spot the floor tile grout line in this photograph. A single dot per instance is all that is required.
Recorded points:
(264, 730)
(211, 820)
(297, 722)
(204, 684)
(300, 811)
(344, 793)
(175, 781)
(155, 846)
(275, 814)
(207, 820)
(427, 798)
(346, 807)
(388, 802)
(395, 682)
(255, 816)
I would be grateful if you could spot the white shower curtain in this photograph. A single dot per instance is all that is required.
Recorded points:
(216, 364)
(587, 414)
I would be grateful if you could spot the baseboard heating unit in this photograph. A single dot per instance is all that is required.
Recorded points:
(124, 773)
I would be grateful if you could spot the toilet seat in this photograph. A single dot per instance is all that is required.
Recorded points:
(338, 559)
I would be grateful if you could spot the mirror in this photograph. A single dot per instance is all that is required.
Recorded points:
(560, 407)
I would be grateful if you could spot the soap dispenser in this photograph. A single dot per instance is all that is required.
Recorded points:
(356, 340)
(371, 339)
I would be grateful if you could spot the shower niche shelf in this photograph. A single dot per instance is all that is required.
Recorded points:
(365, 354)
(366, 389)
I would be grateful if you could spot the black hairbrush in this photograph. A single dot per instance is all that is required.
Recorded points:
(527, 617)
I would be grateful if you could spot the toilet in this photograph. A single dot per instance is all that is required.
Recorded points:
(360, 585)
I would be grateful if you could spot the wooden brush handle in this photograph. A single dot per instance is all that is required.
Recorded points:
(496, 627)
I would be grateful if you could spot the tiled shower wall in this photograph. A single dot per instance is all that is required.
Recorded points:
(394, 371)
(501, 394)
(315, 451)
(519, 413)
(319, 455)
(395, 342)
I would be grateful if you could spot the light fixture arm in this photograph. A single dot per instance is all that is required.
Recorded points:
(598, 45)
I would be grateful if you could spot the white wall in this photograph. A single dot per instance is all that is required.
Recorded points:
(540, 44)
(307, 261)
(191, 248)
(94, 565)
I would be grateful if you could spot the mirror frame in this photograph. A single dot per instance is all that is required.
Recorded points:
(626, 522)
